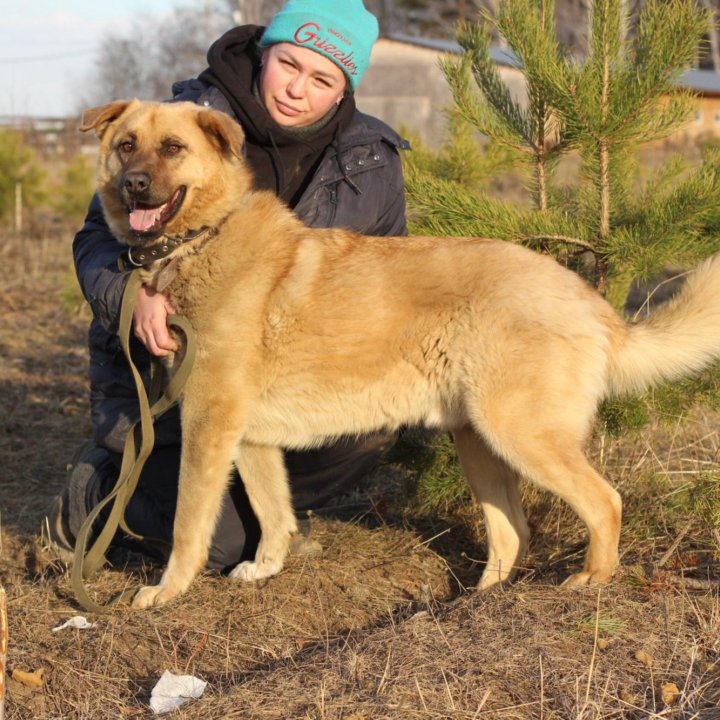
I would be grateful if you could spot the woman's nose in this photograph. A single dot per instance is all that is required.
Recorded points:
(296, 87)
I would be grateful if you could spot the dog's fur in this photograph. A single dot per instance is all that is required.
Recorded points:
(309, 334)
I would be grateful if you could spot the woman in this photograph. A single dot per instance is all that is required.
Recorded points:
(291, 87)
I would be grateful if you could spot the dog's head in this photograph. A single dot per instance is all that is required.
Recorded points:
(166, 168)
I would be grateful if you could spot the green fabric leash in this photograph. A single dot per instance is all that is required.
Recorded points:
(138, 446)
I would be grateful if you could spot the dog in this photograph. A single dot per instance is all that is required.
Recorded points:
(304, 335)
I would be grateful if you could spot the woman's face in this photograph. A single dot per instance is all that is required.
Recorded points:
(299, 86)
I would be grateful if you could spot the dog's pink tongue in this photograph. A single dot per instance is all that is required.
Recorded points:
(145, 219)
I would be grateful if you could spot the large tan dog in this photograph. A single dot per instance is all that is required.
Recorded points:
(305, 335)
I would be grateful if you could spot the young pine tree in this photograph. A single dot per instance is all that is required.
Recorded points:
(602, 108)
(18, 169)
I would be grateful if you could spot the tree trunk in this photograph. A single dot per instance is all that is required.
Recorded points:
(604, 169)
(18, 207)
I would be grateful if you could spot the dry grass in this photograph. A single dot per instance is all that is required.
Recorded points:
(379, 626)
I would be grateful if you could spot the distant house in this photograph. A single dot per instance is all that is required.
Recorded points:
(405, 87)
(706, 123)
(51, 137)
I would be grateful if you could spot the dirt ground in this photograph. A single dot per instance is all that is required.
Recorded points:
(382, 624)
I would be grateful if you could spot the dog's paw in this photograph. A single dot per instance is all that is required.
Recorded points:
(248, 571)
(495, 574)
(486, 582)
(584, 578)
(151, 595)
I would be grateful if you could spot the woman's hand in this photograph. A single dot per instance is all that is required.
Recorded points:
(150, 322)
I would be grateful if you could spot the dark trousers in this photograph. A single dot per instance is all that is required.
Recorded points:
(315, 477)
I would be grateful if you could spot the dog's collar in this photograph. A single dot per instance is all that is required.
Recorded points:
(162, 248)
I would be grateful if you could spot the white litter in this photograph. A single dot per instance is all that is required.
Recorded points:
(78, 622)
(172, 691)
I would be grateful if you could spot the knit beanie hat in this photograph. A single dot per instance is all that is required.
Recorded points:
(341, 30)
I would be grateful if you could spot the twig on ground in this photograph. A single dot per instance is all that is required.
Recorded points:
(591, 669)
(3, 648)
(199, 646)
(674, 546)
(696, 583)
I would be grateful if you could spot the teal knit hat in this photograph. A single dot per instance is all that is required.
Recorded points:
(341, 30)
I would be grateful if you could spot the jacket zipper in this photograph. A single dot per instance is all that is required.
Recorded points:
(333, 206)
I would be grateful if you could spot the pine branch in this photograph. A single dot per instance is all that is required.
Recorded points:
(529, 30)
(672, 225)
(666, 44)
(499, 117)
(486, 118)
(565, 239)
(446, 208)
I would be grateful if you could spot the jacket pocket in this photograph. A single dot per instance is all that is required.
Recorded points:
(321, 209)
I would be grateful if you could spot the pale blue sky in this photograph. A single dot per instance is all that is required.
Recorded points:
(47, 47)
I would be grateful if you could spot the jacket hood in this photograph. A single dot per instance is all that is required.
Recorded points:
(282, 159)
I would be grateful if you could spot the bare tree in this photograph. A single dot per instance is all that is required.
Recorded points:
(253, 12)
(145, 62)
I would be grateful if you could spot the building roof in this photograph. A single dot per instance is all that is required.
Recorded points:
(706, 82)
(499, 55)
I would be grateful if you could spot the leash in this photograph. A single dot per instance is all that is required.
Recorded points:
(138, 446)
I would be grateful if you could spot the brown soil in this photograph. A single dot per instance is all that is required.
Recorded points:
(381, 625)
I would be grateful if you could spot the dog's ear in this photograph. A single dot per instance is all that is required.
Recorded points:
(223, 131)
(100, 118)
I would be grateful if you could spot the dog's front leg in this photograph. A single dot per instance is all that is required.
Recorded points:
(206, 461)
(263, 472)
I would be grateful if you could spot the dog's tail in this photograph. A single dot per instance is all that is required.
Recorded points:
(679, 339)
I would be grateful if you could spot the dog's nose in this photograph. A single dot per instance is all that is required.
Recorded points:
(136, 182)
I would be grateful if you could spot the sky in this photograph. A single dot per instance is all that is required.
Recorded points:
(47, 48)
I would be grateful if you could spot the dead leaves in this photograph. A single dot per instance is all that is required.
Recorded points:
(33, 680)
(642, 657)
(669, 693)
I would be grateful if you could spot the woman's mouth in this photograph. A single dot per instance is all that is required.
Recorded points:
(287, 109)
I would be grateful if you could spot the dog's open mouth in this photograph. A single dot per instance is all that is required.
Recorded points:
(150, 219)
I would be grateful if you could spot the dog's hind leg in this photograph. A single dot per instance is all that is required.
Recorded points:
(495, 486)
(571, 477)
(554, 460)
(263, 473)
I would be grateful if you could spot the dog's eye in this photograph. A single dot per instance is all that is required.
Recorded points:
(172, 146)
(126, 147)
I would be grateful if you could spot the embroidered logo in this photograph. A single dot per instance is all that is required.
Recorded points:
(309, 33)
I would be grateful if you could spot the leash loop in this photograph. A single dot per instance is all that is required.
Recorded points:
(139, 443)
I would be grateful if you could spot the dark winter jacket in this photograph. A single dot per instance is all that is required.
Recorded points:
(357, 184)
